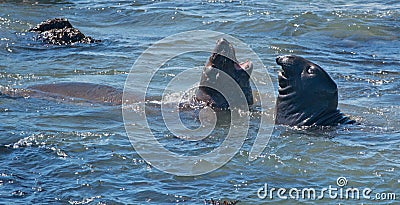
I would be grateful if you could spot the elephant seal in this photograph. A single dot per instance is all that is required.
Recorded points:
(223, 59)
(86, 91)
(59, 31)
(70, 91)
(307, 95)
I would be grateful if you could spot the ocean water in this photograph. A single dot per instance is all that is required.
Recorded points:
(56, 152)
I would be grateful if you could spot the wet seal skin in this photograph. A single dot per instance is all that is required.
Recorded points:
(59, 31)
(307, 95)
(223, 59)
(69, 91)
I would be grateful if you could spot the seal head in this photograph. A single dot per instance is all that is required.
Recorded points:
(223, 59)
(307, 95)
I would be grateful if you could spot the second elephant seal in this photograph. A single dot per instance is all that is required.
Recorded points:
(307, 95)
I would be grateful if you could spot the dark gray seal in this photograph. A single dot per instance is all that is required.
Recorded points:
(70, 91)
(307, 95)
(223, 59)
(59, 31)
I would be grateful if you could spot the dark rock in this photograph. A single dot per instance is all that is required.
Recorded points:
(57, 23)
(59, 31)
(65, 36)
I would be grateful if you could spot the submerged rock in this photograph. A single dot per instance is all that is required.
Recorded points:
(221, 202)
(59, 31)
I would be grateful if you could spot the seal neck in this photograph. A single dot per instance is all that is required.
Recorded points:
(289, 114)
(296, 110)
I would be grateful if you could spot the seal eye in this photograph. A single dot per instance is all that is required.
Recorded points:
(311, 70)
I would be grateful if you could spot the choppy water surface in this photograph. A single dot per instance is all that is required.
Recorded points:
(57, 152)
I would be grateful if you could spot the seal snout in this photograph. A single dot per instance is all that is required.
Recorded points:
(285, 60)
(279, 60)
(282, 61)
(222, 40)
